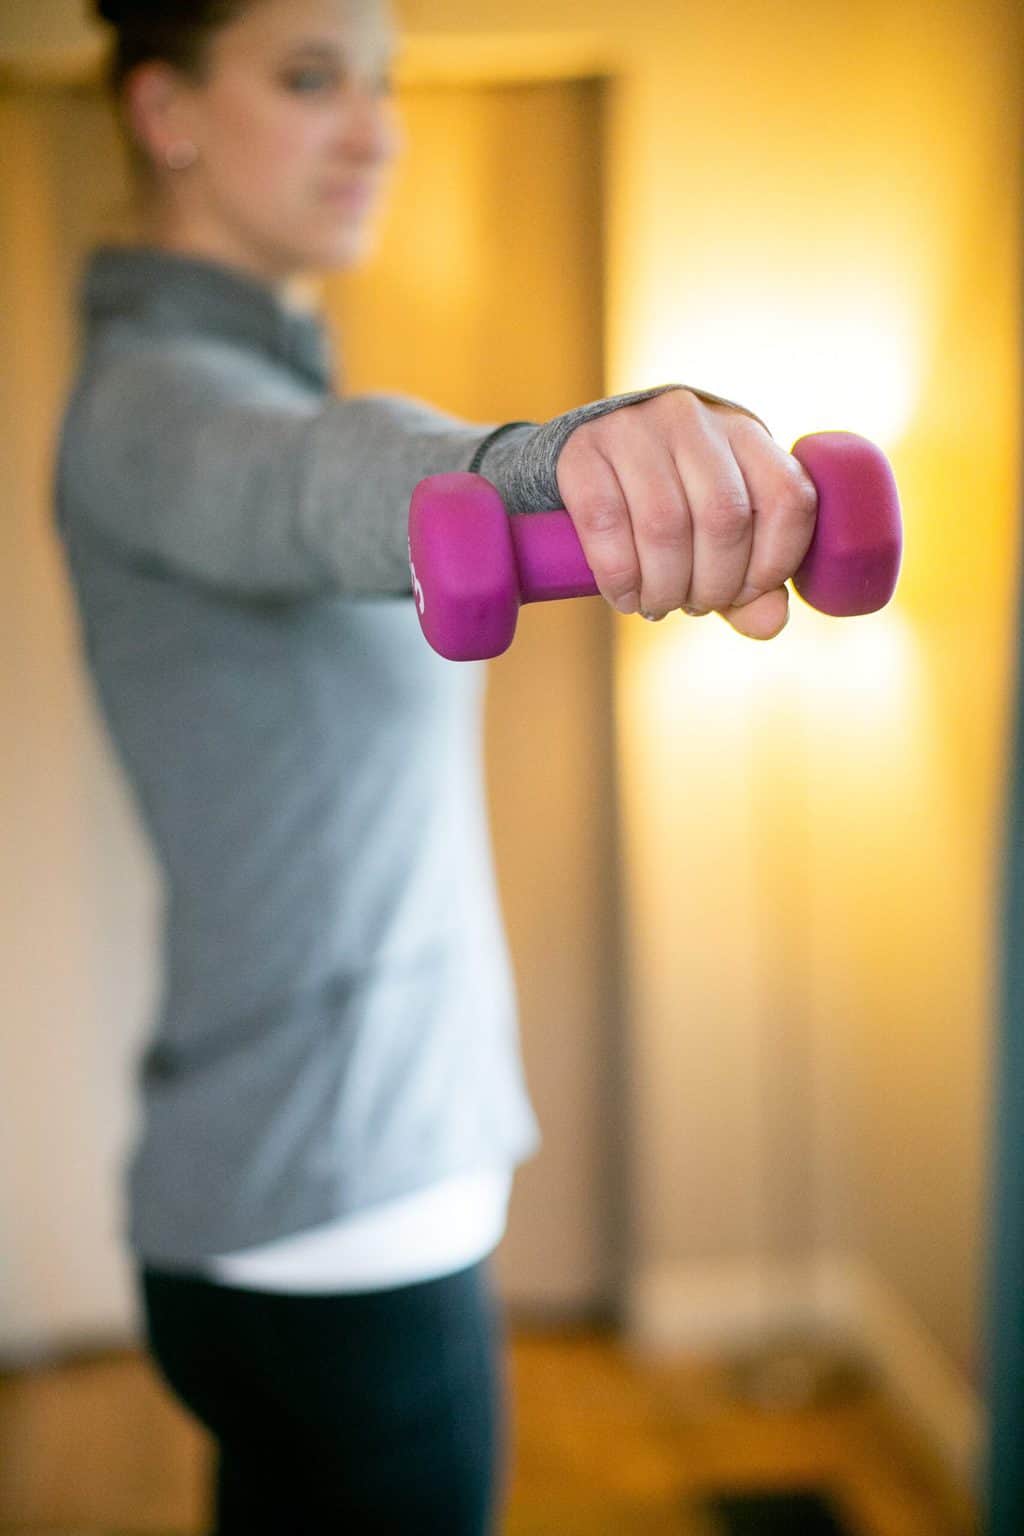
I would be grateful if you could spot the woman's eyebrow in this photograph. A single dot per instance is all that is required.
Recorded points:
(314, 45)
(325, 49)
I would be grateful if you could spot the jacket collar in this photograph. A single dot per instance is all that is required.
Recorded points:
(173, 292)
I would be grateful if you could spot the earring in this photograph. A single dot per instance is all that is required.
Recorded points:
(179, 156)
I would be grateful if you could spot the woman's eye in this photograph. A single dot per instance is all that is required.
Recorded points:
(305, 80)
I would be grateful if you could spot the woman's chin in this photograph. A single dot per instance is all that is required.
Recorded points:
(342, 246)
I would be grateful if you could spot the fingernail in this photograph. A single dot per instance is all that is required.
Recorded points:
(628, 604)
(652, 618)
(696, 613)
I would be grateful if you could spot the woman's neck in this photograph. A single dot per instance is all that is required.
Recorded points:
(295, 288)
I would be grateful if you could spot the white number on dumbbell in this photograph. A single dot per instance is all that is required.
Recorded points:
(417, 589)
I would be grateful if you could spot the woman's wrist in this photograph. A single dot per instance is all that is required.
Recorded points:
(484, 448)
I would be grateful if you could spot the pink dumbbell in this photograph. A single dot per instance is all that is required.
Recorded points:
(473, 565)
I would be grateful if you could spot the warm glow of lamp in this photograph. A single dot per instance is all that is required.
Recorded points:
(865, 666)
(843, 355)
(849, 670)
(805, 361)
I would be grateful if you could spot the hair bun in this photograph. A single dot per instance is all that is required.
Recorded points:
(121, 13)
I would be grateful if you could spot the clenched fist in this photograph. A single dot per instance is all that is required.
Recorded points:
(679, 503)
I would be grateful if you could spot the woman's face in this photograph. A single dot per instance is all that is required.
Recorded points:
(294, 131)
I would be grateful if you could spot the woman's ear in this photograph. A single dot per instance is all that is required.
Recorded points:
(159, 115)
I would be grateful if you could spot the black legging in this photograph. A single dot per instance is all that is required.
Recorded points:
(372, 1412)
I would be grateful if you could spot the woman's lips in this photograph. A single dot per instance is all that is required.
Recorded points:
(354, 197)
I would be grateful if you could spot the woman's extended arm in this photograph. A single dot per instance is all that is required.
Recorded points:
(186, 458)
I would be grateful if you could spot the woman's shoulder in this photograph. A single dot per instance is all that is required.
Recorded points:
(175, 314)
(143, 405)
(128, 372)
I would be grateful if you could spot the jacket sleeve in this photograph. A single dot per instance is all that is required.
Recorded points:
(193, 462)
(186, 458)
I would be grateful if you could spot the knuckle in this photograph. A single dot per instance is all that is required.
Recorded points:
(727, 516)
(605, 434)
(600, 515)
(806, 500)
(752, 433)
(713, 597)
(582, 437)
(771, 573)
(667, 528)
(768, 576)
(580, 454)
(799, 495)
(684, 399)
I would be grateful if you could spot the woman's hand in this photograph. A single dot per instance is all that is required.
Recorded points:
(683, 504)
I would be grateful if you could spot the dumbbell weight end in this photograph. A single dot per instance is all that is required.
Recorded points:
(853, 562)
(473, 566)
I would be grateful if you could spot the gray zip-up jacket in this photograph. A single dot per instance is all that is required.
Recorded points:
(337, 1017)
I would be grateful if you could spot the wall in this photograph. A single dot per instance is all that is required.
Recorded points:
(79, 897)
(838, 210)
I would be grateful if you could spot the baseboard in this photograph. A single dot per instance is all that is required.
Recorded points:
(918, 1373)
(68, 1347)
(711, 1310)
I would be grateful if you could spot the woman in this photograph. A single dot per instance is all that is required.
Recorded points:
(333, 1099)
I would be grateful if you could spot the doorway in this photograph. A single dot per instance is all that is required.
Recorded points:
(484, 297)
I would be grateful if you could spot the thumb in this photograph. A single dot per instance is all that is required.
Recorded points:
(764, 618)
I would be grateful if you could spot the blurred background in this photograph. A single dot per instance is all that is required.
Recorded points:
(751, 891)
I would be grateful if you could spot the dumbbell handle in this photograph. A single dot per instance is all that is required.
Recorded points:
(550, 558)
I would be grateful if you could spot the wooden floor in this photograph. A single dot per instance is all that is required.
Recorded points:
(602, 1443)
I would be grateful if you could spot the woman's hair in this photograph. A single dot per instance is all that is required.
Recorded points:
(174, 31)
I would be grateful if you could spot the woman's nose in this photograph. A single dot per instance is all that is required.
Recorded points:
(368, 126)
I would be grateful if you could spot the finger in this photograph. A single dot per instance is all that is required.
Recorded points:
(786, 503)
(762, 619)
(722, 521)
(596, 503)
(662, 529)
